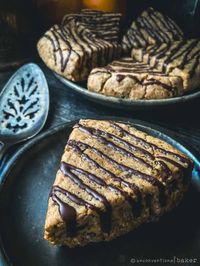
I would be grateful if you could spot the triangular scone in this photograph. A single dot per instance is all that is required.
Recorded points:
(126, 78)
(112, 178)
(151, 27)
(181, 58)
(72, 50)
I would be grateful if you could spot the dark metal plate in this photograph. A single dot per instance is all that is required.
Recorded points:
(81, 88)
(25, 185)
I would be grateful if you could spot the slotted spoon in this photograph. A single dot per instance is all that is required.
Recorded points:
(24, 105)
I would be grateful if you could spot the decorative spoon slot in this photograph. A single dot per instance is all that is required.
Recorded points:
(24, 105)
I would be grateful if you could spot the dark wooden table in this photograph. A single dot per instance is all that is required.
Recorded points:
(183, 120)
(183, 241)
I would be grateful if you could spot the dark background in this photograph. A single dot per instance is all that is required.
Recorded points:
(180, 230)
(185, 12)
(22, 22)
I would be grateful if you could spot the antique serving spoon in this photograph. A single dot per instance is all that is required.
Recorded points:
(24, 105)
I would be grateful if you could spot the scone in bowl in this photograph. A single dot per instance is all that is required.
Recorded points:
(122, 103)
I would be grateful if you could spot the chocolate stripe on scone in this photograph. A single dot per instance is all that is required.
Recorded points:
(162, 23)
(83, 43)
(54, 37)
(128, 65)
(105, 220)
(105, 25)
(68, 213)
(151, 27)
(178, 161)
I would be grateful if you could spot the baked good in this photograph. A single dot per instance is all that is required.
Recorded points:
(112, 178)
(151, 27)
(181, 58)
(72, 50)
(126, 78)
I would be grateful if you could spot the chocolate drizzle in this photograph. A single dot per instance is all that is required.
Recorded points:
(67, 212)
(105, 25)
(54, 36)
(127, 65)
(163, 85)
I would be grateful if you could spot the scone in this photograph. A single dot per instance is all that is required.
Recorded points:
(151, 27)
(112, 178)
(181, 58)
(126, 78)
(72, 50)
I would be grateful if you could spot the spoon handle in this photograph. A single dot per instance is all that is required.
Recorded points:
(3, 149)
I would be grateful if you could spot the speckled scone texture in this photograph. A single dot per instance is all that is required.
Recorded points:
(126, 78)
(181, 58)
(112, 178)
(151, 27)
(72, 50)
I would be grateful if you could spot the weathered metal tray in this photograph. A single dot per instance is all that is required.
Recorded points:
(24, 188)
